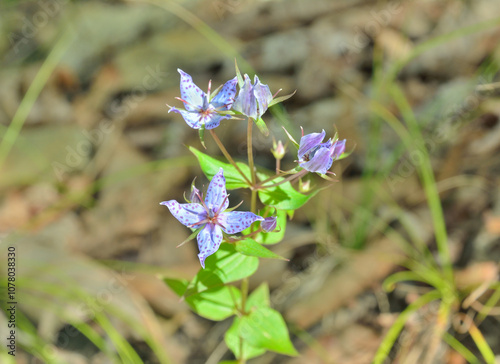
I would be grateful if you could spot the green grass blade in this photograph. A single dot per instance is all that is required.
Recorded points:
(393, 333)
(482, 345)
(32, 94)
(460, 348)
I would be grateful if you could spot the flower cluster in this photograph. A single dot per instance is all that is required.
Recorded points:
(210, 217)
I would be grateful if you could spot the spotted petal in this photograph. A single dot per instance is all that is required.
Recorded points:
(191, 118)
(309, 141)
(189, 214)
(225, 97)
(191, 93)
(236, 221)
(216, 193)
(262, 94)
(321, 162)
(209, 240)
(213, 120)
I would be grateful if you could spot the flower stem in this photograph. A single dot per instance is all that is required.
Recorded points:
(250, 151)
(228, 157)
(288, 179)
(253, 200)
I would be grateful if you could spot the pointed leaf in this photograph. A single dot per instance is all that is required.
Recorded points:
(262, 126)
(265, 328)
(277, 100)
(259, 297)
(210, 166)
(179, 286)
(226, 265)
(201, 133)
(294, 142)
(234, 342)
(251, 248)
(241, 81)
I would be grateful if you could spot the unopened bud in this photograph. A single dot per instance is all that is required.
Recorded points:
(278, 150)
(304, 186)
(195, 196)
(269, 224)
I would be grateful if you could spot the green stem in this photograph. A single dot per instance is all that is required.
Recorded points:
(229, 158)
(253, 200)
(250, 151)
(288, 179)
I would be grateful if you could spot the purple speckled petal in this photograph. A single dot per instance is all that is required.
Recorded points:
(309, 141)
(321, 162)
(191, 93)
(236, 221)
(269, 224)
(209, 240)
(189, 214)
(216, 193)
(263, 95)
(246, 102)
(225, 98)
(337, 149)
(191, 118)
(215, 122)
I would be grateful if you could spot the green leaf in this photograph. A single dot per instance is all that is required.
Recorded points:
(284, 197)
(234, 342)
(210, 166)
(229, 362)
(262, 126)
(226, 265)
(179, 286)
(201, 133)
(277, 235)
(251, 248)
(277, 100)
(241, 81)
(217, 303)
(259, 297)
(265, 328)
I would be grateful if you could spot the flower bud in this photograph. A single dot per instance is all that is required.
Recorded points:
(278, 150)
(269, 224)
(195, 196)
(305, 186)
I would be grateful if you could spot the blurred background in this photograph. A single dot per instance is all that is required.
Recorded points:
(88, 151)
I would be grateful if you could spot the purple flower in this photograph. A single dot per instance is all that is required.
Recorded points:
(210, 217)
(316, 156)
(199, 109)
(269, 224)
(253, 100)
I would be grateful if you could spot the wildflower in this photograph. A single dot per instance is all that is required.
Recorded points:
(253, 100)
(210, 216)
(269, 224)
(200, 110)
(316, 156)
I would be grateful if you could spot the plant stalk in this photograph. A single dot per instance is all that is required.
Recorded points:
(229, 158)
